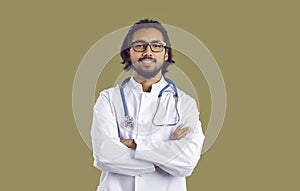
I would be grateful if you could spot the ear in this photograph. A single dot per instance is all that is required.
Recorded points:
(166, 54)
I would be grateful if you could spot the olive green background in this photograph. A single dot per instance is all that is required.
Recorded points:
(256, 44)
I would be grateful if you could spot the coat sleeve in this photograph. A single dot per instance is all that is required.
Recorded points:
(176, 157)
(109, 153)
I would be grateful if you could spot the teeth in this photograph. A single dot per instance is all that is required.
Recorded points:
(147, 60)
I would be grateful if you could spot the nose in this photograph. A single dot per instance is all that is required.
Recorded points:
(148, 51)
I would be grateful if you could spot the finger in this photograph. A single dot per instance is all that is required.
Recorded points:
(183, 130)
(183, 133)
(178, 128)
(176, 132)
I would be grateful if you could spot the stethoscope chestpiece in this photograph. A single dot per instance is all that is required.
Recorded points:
(128, 121)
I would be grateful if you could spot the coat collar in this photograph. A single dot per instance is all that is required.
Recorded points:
(132, 84)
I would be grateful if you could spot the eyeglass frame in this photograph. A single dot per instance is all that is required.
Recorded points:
(148, 44)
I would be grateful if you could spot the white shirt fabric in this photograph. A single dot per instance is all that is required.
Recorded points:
(158, 163)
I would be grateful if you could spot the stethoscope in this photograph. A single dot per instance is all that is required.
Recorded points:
(129, 119)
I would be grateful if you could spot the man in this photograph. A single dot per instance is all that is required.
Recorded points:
(146, 134)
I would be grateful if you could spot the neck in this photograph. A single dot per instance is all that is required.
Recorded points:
(147, 83)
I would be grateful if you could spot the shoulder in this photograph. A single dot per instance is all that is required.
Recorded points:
(187, 102)
(107, 94)
(185, 97)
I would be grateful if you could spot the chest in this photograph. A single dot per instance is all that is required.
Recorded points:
(152, 118)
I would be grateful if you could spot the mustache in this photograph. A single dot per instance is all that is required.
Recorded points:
(148, 58)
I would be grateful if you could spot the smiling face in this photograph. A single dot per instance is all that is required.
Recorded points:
(147, 64)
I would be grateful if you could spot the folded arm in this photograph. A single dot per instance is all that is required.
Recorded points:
(108, 151)
(176, 157)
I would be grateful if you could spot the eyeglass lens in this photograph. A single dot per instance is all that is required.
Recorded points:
(142, 46)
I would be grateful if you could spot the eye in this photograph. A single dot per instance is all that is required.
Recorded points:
(138, 45)
(157, 46)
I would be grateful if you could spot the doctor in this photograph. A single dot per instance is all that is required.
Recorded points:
(146, 134)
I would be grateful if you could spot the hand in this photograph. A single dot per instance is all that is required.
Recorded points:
(129, 143)
(180, 132)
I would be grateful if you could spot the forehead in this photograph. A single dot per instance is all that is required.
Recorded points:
(147, 34)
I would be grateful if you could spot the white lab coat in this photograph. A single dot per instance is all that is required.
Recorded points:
(158, 163)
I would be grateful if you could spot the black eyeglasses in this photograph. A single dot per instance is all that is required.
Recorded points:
(141, 46)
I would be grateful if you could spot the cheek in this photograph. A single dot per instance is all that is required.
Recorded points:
(133, 56)
(162, 58)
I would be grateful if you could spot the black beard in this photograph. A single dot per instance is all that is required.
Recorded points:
(147, 74)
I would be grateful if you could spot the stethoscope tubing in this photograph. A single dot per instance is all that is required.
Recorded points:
(129, 120)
